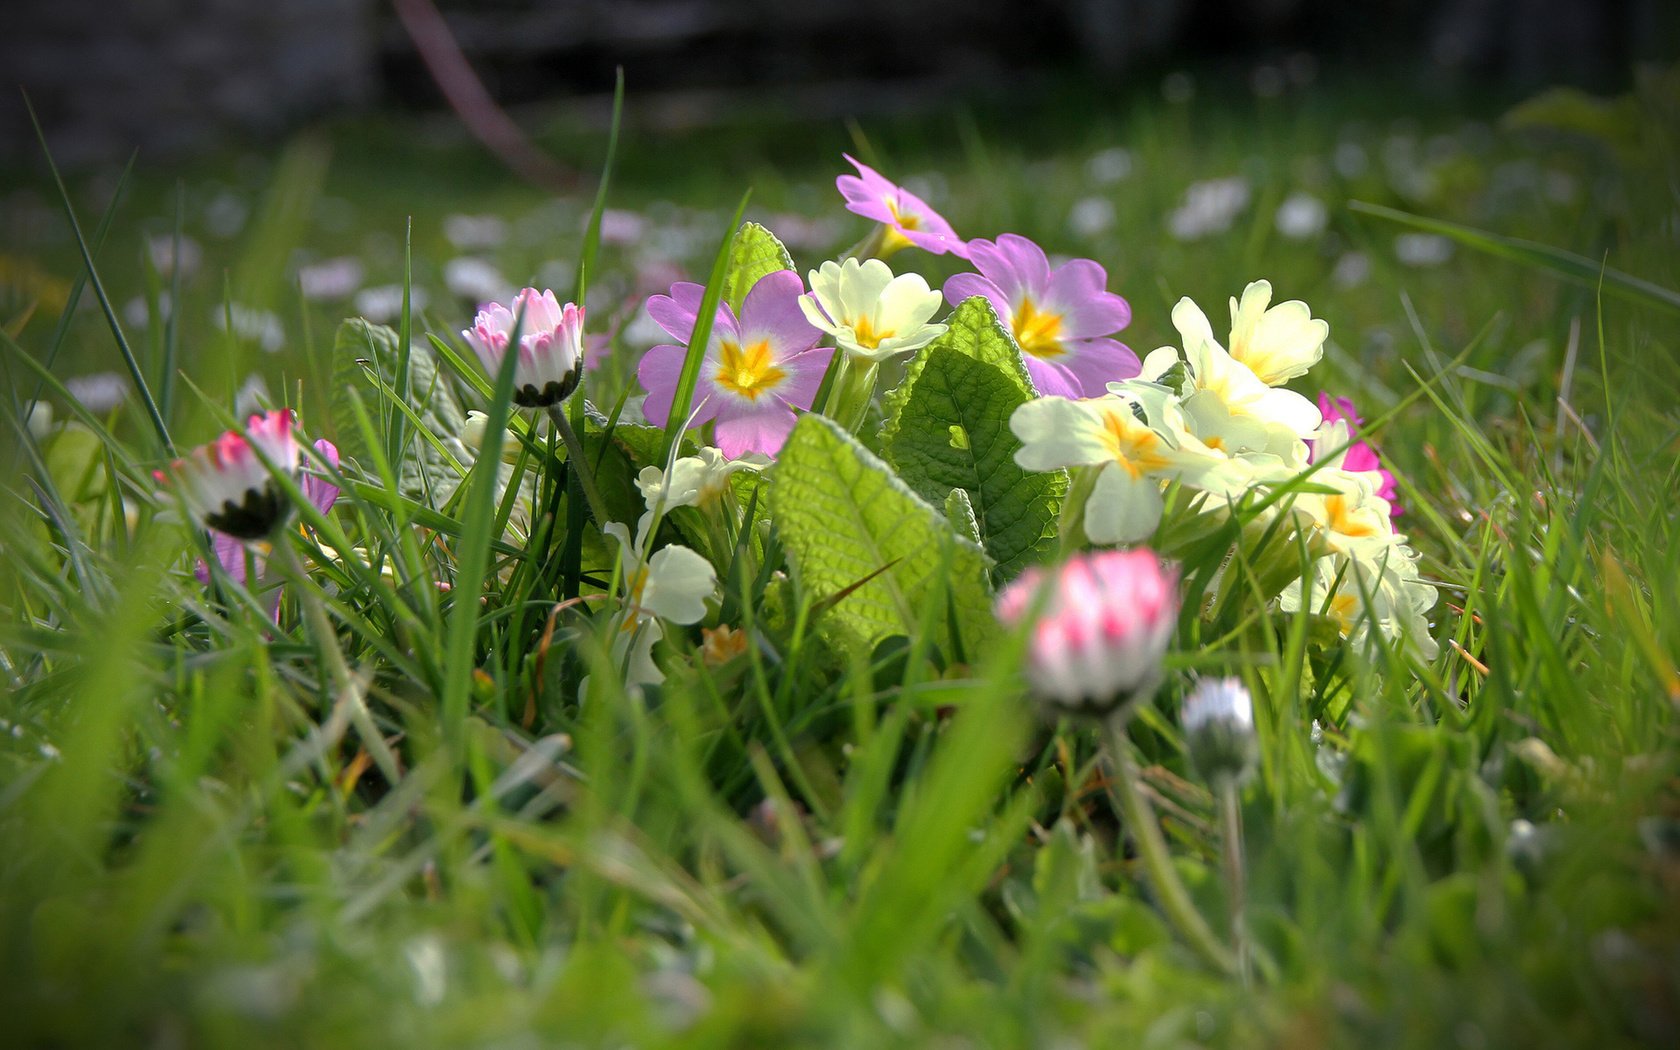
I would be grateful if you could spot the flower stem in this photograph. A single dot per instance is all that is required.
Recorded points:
(348, 688)
(1157, 861)
(853, 392)
(1231, 841)
(579, 465)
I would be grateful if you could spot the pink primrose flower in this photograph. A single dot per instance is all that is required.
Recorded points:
(908, 219)
(1060, 317)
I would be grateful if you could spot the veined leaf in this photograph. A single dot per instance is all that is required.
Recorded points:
(843, 514)
(973, 330)
(949, 429)
(754, 253)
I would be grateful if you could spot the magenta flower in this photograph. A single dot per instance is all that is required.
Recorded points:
(760, 369)
(1104, 621)
(230, 551)
(906, 217)
(550, 345)
(1061, 317)
(1341, 426)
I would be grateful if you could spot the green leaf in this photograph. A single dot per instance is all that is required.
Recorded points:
(754, 253)
(949, 429)
(973, 330)
(960, 513)
(843, 514)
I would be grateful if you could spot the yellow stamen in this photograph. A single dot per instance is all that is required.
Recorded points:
(1134, 446)
(748, 371)
(1039, 332)
(863, 330)
(1346, 519)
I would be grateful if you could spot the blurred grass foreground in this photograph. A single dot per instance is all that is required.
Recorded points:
(389, 778)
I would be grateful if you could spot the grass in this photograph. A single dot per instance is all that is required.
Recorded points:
(806, 846)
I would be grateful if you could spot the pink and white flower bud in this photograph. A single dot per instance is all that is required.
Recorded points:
(1103, 624)
(550, 345)
(227, 485)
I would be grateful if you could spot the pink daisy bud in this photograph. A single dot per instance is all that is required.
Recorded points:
(550, 345)
(227, 485)
(1104, 621)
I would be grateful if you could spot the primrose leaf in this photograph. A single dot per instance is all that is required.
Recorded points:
(973, 330)
(845, 517)
(949, 429)
(754, 253)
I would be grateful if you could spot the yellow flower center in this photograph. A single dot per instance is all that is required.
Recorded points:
(863, 331)
(1342, 607)
(905, 221)
(1039, 332)
(1347, 519)
(748, 370)
(1131, 444)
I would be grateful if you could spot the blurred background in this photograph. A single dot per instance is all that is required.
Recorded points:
(249, 174)
(171, 76)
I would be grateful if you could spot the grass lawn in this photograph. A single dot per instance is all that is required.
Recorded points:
(419, 805)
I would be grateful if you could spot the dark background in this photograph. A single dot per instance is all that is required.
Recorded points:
(179, 76)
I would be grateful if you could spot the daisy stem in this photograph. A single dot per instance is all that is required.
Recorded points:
(1157, 860)
(1231, 839)
(578, 460)
(326, 639)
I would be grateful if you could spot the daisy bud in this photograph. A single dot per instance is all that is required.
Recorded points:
(1219, 729)
(550, 345)
(1104, 621)
(227, 485)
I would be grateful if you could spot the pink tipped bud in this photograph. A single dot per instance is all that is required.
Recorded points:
(550, 350)
(1104, 621)
(227, 485)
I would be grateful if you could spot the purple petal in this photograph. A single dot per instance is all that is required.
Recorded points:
(1092, 364)
(968, 285)
(1029, 262)
(1078, 290)
(317, 489)
(771, 312)
(658, 372)
(676, 312)
(805, 373)
(1052, 378)
(755, 427)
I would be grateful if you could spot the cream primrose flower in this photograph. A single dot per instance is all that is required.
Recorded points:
(1353, 520)
(1134, 455)
(671, 585)
(1380, 589)
(1279, 343)
(694, 481)
(1230, 407)
(871, 313)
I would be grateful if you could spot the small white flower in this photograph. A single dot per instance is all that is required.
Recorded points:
(1422, 249)
(383, 302)
(1106, 167)
(1209, 207)
(475, 231)
(331, 278)
(672, 585)
(259, 326)
(1351, 270)
(98, 392)
(870, 313)
(475, 279)
(694, 480)
(1091, 216)
(1301, 216)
